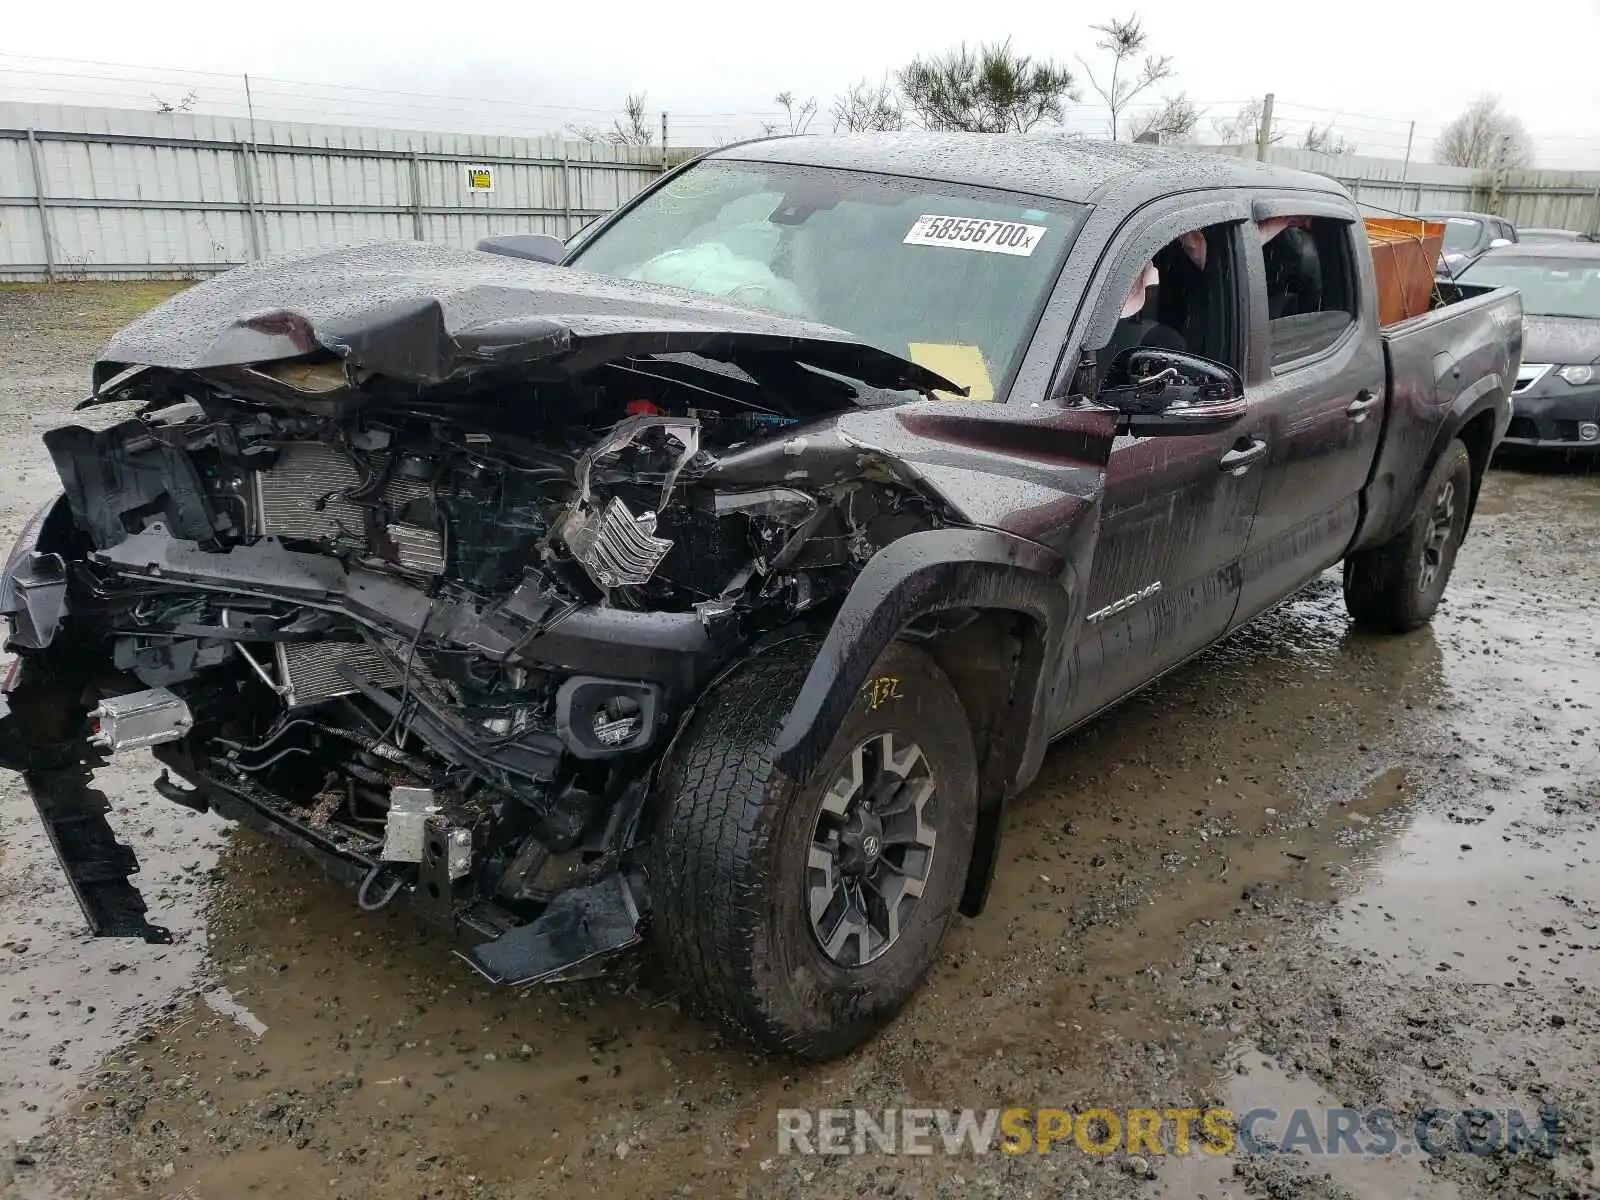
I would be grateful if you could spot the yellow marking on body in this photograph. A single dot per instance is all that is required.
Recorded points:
(880, 691)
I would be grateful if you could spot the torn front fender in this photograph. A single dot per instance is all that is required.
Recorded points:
(924, 573)
(1033, 479)
(1038, 471)
(936, 571)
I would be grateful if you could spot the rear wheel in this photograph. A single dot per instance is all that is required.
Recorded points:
(1397, 586)
(803, 913)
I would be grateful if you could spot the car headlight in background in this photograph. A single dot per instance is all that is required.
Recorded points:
(1578, 376)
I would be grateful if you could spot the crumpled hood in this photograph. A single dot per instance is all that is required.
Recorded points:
(1560, 340)
(428, 314)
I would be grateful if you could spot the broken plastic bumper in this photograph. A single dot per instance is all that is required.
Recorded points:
(577, 931)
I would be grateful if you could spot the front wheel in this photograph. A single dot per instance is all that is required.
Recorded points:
(1396, 587)
(803, 913)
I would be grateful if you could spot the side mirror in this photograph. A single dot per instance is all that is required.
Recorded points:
(538, 247)
(1167, 393)
(1498, 242)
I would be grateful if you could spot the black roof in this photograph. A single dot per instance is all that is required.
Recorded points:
(1052, 165)
(1583, 250)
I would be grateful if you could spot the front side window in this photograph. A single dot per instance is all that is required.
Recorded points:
(1185, 298)
(1311, 285)
(949, 276)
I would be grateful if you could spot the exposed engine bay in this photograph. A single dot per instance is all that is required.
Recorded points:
(444, 643)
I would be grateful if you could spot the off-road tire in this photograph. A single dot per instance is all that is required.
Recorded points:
(730, 920)
(1388, 588)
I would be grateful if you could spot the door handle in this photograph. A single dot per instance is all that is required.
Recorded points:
(1364, 403)
(1239, 460)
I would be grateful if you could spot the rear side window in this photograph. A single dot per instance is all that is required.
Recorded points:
(1312, 295)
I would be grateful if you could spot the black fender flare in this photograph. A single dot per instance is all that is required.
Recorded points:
(1488, 394)
(35, 615)
(32, 535)
(918, 575)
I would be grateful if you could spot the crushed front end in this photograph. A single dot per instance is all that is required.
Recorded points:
(435, 630)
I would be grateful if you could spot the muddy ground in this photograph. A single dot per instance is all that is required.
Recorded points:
(1311, 869)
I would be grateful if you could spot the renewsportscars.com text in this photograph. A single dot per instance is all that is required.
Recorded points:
(1150, 1131)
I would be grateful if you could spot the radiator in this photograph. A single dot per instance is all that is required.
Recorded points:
(301, 497)
(286, 504)
(310, 670)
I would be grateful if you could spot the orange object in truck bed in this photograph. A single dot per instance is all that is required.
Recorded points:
(1404, 255)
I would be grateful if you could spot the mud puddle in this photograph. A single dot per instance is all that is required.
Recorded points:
(66, 999)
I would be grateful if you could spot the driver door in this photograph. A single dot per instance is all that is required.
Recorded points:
(1177, 510)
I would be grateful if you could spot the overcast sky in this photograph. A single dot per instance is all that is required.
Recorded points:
(1369, 67)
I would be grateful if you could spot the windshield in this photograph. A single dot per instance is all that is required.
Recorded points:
(948, 276)
(1460, 233)
(1550, 287)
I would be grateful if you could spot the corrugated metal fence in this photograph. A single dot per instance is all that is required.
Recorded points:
(106, 193)
(1534, 199)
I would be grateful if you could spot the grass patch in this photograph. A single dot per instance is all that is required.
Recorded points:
(87, 309)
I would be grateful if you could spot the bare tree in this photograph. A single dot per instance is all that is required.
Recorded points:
(1484, 136)
(1321, 139)
(990, 90)
(1173, 121)
(797, 116)
(185, 104)
(1244, 127)
(1124, 41)
(637, 131)
(867, 107)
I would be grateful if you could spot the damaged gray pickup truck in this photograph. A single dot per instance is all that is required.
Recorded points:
(629, 600)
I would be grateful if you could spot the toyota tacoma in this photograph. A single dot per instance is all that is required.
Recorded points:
(709, 584)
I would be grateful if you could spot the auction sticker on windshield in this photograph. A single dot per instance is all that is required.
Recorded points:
(973, 233)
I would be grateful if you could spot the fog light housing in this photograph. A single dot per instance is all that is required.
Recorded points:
(1577, 376)
(1588, 431)
(597, 718)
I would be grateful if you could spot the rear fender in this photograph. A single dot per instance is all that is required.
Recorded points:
(1491, 395)
(1445, 370)
(1487, 395)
